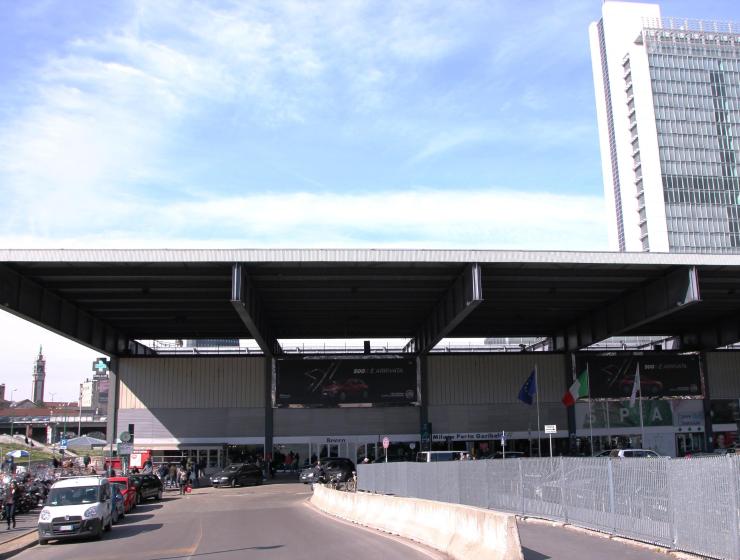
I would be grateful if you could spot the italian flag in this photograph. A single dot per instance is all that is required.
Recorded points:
(578, 390)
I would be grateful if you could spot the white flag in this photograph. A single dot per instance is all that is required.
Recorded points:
(635, 387)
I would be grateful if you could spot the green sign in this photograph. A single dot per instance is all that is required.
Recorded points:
(622, 415)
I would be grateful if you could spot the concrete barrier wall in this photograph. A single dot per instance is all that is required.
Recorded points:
(460, 531)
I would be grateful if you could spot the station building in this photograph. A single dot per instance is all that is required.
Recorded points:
(232, 404)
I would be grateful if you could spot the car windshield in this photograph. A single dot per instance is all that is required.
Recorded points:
(73, 496)
(232, 468)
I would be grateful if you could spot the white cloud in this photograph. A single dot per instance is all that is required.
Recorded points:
(490, 218)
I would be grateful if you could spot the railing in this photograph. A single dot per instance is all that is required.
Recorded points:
(691, 505)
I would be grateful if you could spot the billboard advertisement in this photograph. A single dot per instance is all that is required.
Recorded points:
(662, 374)
(338, 381)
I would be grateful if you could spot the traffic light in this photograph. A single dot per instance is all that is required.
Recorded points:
(131, 431)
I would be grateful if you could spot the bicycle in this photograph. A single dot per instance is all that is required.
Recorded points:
(351, 484)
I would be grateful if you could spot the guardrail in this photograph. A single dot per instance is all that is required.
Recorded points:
(692, 505)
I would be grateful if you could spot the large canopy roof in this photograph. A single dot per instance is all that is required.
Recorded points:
(95, 296)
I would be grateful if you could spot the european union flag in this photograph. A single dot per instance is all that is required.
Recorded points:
(529, 389)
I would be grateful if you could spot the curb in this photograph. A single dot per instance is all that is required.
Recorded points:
(18, 544)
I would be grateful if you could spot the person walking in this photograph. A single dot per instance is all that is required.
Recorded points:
(12, 495)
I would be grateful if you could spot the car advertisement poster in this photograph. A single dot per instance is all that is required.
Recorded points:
(662, 375)
(340, 382)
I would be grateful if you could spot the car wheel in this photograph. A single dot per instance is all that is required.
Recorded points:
(233, 482)
(160, 494)
(342, 396)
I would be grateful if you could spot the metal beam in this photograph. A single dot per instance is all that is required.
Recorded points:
(248, 306)
(715, 334)
(31, 301)
(461, 298)
(663, 296)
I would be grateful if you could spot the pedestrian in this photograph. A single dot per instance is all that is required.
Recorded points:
(12, 495)
(86, 461)
(183, 479)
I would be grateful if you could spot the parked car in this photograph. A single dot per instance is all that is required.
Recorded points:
(338, 468)
(128, 490)
(237, 474)
(727, 451)
(307, 474)
(117, 503)
(352, 388)
(435, 456)
(509, 455)
(147, 486)
(632, 453)
(76, 507)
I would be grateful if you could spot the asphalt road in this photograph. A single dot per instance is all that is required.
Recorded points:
(276, 522)
(267, 522)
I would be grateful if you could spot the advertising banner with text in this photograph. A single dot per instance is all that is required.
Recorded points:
(339, 381)
(662, 374)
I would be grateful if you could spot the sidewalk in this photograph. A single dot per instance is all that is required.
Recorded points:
(24, 535)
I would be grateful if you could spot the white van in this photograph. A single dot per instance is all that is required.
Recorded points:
(76, 507)
(434, 456)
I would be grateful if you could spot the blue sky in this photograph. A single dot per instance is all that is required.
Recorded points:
(161, 123)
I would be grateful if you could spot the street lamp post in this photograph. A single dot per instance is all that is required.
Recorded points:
(79, 420)
(12, 417)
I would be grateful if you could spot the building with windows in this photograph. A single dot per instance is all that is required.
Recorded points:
(668, 107)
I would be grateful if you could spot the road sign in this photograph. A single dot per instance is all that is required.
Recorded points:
(62, 444)
(125, 448)
(125, 437)
(386, 443)
(551, 428)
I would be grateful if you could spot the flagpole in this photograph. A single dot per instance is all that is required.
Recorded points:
(537, 396)
(642, 425)
(590, 416)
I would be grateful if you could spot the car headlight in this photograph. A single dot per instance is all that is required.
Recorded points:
(310, 475)
(90, 512)
(224, 478)
(45, 515)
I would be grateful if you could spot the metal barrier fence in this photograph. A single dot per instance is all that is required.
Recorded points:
(691, 505)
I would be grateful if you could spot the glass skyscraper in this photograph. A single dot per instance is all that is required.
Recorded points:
(668, 106)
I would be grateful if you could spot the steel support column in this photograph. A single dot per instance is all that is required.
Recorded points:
(111, 426)
(248, 306)
(638, 307)
(27, 299)
(459, 301)
(269, 362)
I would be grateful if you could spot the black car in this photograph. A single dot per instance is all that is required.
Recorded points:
(237, 473)
(338, 468)
(147, 486)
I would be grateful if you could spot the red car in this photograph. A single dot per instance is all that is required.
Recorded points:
(127, 489)
(352, 388)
